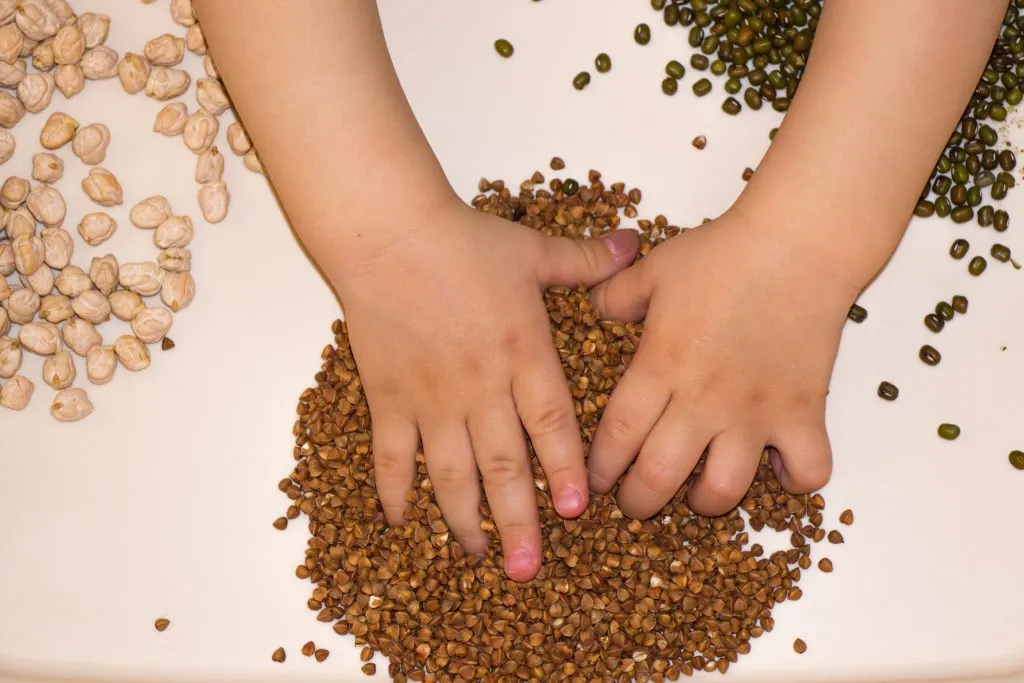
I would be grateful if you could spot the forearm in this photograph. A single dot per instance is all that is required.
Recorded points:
(885, 85)
(319, 96)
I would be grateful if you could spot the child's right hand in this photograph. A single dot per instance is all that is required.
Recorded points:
(452, 338)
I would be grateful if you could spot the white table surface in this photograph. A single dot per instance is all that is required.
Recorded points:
(160, 503)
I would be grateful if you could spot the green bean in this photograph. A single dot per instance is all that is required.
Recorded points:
(962, 214)
(504, 48)
(977, 266)
(603, 63)
(888, 391)
(960, 304)
(642, 34)
(1000, 252)
(959, 248)
(929, 355)
(570, 187)
(934, 323)
(1001, 220)
(949, 431)
(944, 310)
(857, 314)
(669, 86)
(581, 81)
(675, 70)
(1017, 459)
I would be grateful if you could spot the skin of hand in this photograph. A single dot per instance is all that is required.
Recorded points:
(743, 316)
(444, 304)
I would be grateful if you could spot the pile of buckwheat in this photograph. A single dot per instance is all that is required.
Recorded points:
(616, 599)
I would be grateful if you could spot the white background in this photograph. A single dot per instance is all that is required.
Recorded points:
(160, 504)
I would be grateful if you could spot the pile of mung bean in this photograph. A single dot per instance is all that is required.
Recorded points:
(760, 48)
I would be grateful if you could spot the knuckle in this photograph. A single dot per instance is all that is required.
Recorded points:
(619, 430)
(723, 489)
(447, 475)
(588, 255)
(657, 474)
(547, 417)
(501, 466)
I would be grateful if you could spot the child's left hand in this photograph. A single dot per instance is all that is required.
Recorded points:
(740, 337)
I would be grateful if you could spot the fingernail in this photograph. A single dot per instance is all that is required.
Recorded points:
(570, 501)
(621, 244)
(520, 563)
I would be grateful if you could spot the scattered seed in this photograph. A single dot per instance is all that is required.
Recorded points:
(642, 34)
(977, 266)
(322, 654)
(1017, 459)
(934, 323)
(675, 70)
(557, 164)
(504, 48)
(603, 63)
(279, 655)
(570, 187)
(929, 355)
(945, 311)
(835, 537)
(370, 669)
(669, 86)
(581, 81)
(700, 142)
(161, 624)
(1000, 252)
(701, 87)
(799, 646)
(308, 649)
(888, 391)
(166, 344)
(949, 431)
(825, 565)
(748, 173)
(281, 523)
(960, 304)
(857, 314)
(846, 517)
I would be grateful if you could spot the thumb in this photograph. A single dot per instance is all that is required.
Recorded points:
(572, 262)
(625, 296)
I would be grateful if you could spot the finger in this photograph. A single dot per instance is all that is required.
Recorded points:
(545, 407)
(625, 296)
(501, 455)
(452, 469)
(802, 458)
(572, 262)
(668, 455)
(395, 441)
(731, 464)
(633, 409)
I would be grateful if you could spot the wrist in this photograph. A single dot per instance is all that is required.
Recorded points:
(819, 236)
(355, 240)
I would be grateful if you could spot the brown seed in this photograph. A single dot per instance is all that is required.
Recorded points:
(279, 655)
(835, 537)
(557, 164)
(700, 142)
(281, 523)
(366, 654)
(369, 669)
(166, 344)
(161, 624)
(799, 646)
(846, 517)
(825, 565)
(748, 173)
(322, 654)
(308, 649)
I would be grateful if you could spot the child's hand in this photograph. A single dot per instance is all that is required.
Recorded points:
(740, 337)
(453, 342)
